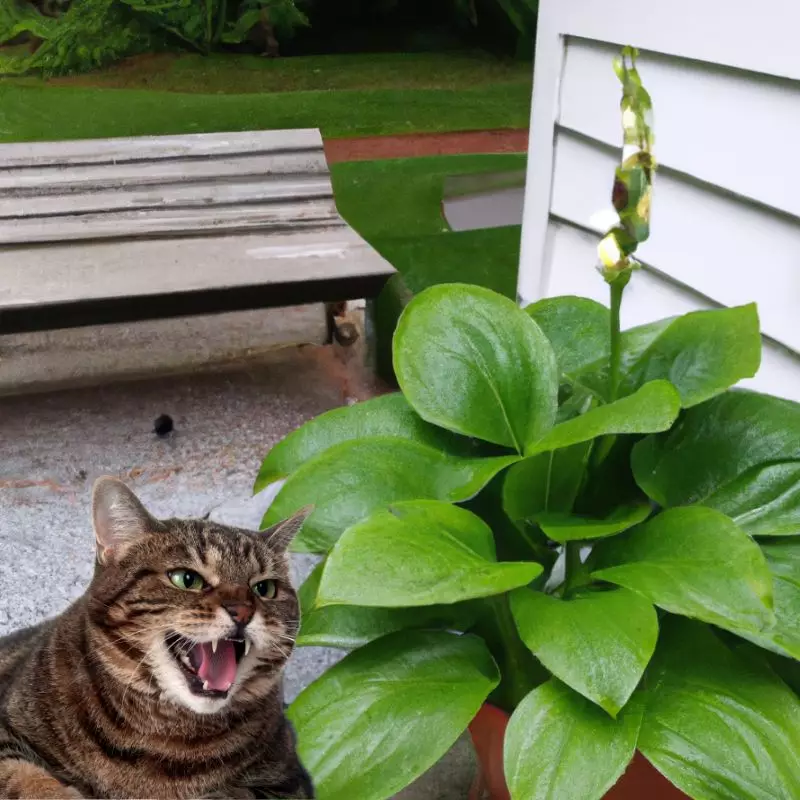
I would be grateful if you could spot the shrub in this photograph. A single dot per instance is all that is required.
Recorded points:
(93, 33)
(88, 35)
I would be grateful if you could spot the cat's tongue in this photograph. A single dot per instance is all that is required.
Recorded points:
(218, 669)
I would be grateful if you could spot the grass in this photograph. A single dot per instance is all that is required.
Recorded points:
(242, 74)
(396, 206)
(362, 95)
(31, 113)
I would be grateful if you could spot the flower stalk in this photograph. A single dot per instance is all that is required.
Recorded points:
(615, 357)
(631, 196)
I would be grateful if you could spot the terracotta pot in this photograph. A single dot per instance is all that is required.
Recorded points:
(487, 730)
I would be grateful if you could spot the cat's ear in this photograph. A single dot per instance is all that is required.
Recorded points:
(119, 519)
(280, 536)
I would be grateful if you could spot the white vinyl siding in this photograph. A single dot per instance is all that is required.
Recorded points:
(726, 207)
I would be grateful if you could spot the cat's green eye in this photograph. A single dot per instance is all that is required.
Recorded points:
(186, 579)
(266, 589)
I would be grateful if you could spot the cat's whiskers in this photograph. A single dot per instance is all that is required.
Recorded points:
(146, 655)
(150, 681)
(266, 657)
(83, 659)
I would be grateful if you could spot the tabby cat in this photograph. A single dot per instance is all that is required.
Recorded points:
(164, 679)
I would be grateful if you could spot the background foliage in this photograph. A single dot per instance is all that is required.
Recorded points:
(63, 36)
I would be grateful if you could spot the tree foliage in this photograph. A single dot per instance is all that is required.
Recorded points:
(69, 36)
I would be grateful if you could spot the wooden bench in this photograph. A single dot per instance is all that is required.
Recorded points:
(123, 230)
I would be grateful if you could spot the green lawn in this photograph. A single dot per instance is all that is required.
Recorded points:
(359, 95)
(29, 113)
(239, 74)
(396, 206)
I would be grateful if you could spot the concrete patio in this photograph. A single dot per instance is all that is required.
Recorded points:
(54, 444)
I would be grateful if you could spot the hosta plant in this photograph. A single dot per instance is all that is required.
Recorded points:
(585, 527)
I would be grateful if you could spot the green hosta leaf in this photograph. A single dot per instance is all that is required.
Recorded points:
(567, 528)
(560, 746)
(598, 643)
(574, 400)
(634, 342)
(548, 481)
(719, 725)
(520, 671)
(473, 362)
(701, 353)
(578, 330)
(515, 541)
(783, 558)
(418, 553)
(349, 627)
(715, 444)
(652, 408)
(787, 669)
(350, 480)
(389, 415)
(693, 561)
(764, 501)
(387, 712)
(611, 484)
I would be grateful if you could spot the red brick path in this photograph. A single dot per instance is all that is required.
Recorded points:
(426, 144)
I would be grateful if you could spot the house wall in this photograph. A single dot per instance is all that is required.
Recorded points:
(725, 84)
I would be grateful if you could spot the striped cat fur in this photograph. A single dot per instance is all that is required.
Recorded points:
(164, 679)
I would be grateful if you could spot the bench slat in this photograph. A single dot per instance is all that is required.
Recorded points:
(152, 266)
(183, 195)
(161, 222)
(57, 180)
(149, 278)
(138, 148)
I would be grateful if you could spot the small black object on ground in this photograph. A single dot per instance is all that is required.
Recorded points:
(163, 426)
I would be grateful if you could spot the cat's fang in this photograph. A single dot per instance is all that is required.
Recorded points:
(246, 646)
(205, 686)
(214, 645)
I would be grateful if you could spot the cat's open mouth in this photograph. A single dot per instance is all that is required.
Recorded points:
(209, 667)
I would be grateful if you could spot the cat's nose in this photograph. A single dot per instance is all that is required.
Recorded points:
(240, 613)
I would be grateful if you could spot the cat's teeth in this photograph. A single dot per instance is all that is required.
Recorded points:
(214, 645)
(246, 646)
(205, 686)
